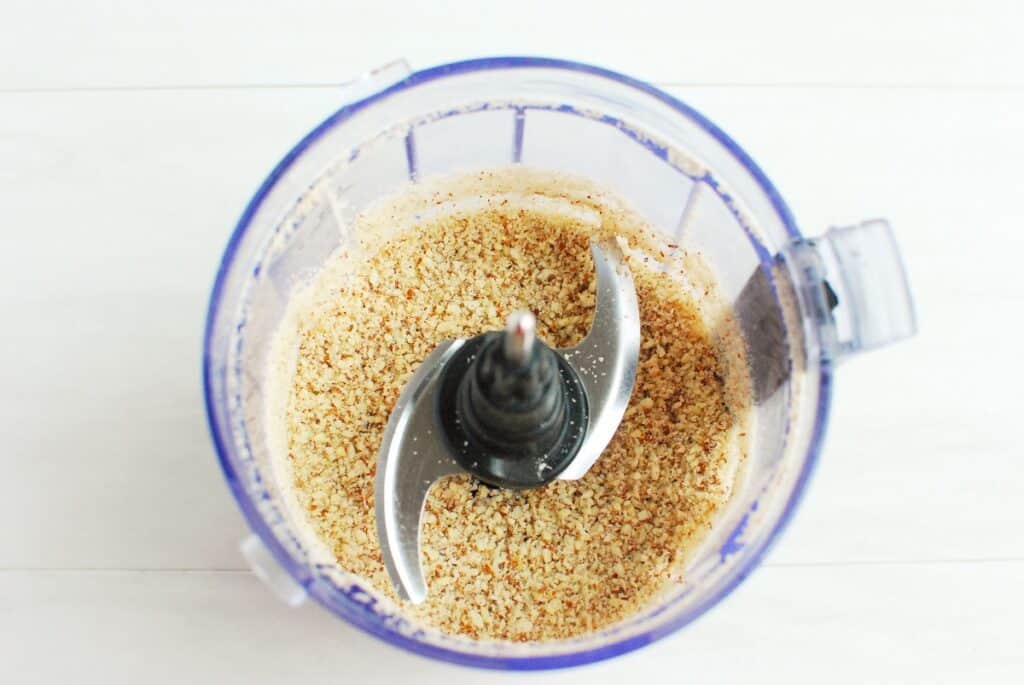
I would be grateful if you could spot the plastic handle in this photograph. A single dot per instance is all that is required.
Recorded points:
(854, 282)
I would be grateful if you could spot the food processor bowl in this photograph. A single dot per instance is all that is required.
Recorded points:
(802, 304)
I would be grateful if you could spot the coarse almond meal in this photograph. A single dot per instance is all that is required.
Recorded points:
(563, 559)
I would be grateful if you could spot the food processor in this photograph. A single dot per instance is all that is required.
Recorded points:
(802, 305)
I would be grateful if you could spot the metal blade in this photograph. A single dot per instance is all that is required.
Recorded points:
(606, 360)
(412, 457)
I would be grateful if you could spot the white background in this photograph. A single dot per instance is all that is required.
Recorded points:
(132, 134)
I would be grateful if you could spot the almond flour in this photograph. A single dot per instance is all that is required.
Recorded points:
(549, 563)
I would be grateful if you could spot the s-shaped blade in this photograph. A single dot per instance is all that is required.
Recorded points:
(417, 451)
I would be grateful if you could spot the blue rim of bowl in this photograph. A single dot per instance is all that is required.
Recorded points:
(358, 618)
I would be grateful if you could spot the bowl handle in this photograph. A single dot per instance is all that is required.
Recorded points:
(853, 280)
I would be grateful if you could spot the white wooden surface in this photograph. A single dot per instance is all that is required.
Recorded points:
(132, 134)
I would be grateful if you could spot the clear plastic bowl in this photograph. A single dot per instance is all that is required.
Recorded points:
(802, 304)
